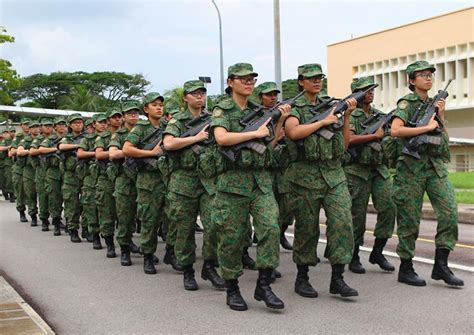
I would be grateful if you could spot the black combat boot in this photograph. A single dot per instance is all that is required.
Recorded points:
(338, 285)
(302, 285)
(407, 274)
(264, 292)
(148, 265)
(209, 272)
(254, 238)
(85, 234)
(89, 236)
(138, 229)
(96, 243)
(12, 198)
(125, 256)
(6, 196)
(189, 281)
(234, 298)
(326, 251)
(134, 249)
(170, 258)
(355, 265)
(247, 261)
(23, 217)
(285, 244)
(376, 256)
(75, 236)
(56, 224)
(109, 241)
(34, 220)
(442, 271)
(275, 274)
(44, 225)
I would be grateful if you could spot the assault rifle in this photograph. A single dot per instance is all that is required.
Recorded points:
(72, 153)
(194, 126)
(56, 154)
(151, 140)
(251, 124)
(339, 108)
(381, 120)
(412, 145)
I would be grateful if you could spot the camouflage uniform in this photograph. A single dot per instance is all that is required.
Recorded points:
(40, 178)
(17, 174)
(72, 182)
(151, 192)
(31, 196)
(415, 177)
(243, 189)
(125, 192)
(188, 196)
(7, 167)
(104, 189)
(89, 175)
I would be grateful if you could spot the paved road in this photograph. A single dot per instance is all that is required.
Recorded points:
(78, 291)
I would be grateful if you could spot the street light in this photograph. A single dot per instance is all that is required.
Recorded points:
(221, 48)
(276, 22)
(205, 80)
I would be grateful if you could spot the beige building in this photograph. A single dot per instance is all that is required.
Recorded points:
(447, 41)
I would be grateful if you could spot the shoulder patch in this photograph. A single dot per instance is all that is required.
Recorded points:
(403, 104)
(217, 112)
(226, 103)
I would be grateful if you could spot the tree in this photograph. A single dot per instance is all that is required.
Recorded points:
(174, 99)
(290, 88)
(82, 99)
(9, 79)
(111, 87)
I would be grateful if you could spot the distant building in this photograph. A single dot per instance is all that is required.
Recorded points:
(447, 41)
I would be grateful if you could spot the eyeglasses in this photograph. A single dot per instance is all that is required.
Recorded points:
(426, 75)
(247, 80)
(315, 78)
(198, 94)
(132, 112)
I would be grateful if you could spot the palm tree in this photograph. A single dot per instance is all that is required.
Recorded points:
(174, 99)
(81, 99)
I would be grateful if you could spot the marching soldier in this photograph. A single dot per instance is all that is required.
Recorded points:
(5, 143)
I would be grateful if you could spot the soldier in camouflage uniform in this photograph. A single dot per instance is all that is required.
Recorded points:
(151, 189)
(17, 169)
(86, 155)
(54, 178)
(31, 196)
(125, 191)
(105, 186)
(40, 171)
(244, 188)
(89, 126)
(368, 175)
(427, 174)
(72, 184)
(190, 195)
(317, 179)
(2, 169)
(6, 171)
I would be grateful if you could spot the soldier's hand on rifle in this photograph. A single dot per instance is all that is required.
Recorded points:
(331, 118)
(157, 149)
(263, 130)
(285, 111)
(441, 104)
(433, 124)
(202, 135)
(351, 105)
(379, 133)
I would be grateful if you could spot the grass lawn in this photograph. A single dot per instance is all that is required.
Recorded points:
(461, 197)
(462, 180)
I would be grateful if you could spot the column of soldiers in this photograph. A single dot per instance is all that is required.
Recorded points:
(243, 164)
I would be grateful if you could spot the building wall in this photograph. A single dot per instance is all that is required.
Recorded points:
(446, 41)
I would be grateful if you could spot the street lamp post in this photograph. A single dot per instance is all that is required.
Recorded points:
(221, 48)
(276, 21)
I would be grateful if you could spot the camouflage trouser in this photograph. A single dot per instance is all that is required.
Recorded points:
(150, 210)
(53, 189)
(43, 203)
(306, 204)
(381, 190)
(89, 207)
(247, 236)
(31, 197)
(126, 206)
(72, 203)
(17, 179)
(183, 212)
(7, 173)
(166, 225)
(408, 190)
(105, 205)
(2, 178)
(286, 216)
(230, 215)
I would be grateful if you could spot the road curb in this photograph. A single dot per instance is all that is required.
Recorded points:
(465, 213)
(16, 315)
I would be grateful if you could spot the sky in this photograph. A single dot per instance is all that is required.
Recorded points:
(171, 41)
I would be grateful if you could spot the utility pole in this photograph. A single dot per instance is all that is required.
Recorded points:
(276, 21)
